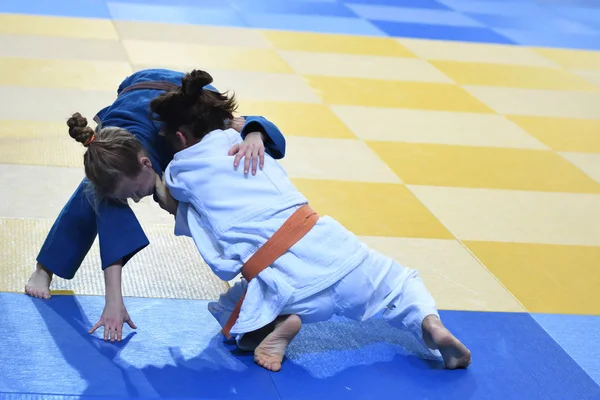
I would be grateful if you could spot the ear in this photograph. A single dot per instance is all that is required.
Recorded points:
(181, 139)
(145, 162)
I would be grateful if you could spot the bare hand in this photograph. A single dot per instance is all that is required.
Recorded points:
(238, 123)
(165, 200)
(253, 149)
(112, 319)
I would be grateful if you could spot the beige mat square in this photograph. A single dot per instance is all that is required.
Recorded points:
(456, 280)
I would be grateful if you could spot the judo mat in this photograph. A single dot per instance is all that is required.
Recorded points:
(178, 352)
(460, 137)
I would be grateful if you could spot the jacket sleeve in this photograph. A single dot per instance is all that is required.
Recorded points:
(275, 143)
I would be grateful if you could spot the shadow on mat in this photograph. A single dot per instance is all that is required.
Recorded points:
(367, 360)
(209, 375)
(325, 355)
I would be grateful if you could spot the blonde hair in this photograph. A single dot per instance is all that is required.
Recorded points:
(111, 154)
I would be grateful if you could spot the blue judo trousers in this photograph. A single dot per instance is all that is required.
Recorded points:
(119, 232)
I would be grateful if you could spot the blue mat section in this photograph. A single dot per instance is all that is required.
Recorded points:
(513, 358)
(177, 352)
(413, 15)
(572, 3)
(329, 9)
(67, 8)
(504, 7)
(321, 24)
(578, 335)
(552, 39)
(548, 23)
(175, 14)
(440, 32)
(545, 24)
(218, 4)
(429, 4)
(591, 15)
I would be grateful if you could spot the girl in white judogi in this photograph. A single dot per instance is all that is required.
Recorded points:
(229, 216)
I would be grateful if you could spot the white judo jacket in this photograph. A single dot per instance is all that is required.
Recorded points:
(229, 215)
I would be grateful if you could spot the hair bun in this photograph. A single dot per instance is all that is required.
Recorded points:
(78, 128)
(193, 83)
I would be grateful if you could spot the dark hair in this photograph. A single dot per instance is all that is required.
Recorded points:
(191, 109)
(111, 154)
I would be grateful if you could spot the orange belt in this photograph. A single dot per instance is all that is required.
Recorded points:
(294, 229)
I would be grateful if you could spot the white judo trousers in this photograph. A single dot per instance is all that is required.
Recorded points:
(377, 284)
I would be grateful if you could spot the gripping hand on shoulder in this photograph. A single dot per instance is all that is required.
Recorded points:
(165, 200)
(252, 149)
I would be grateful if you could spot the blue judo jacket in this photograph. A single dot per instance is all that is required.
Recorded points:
(119, 232)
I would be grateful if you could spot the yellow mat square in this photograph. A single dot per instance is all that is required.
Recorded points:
(335, 159)
(265, 86)
(331, 43)
(53, 104)
(587, 162)
(563, 134)
(381, 93)
(589, 75)
(69, 74)
(440, 127)
(545, 278)
(51, 151)
(372, 209)
(475, 52)
(299, 119)
(57, 26)
(362, 66)
(537, 102)
(64, 48)
(483, 167)
(572, 58)
(145, 277)
(189, 56)
(188, 33)
(513, 76)
(10, 129)
(515, 216)
(456, 280)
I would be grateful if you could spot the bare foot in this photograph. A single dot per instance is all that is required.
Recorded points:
(436, 336)
(39, 283)
(269, 353)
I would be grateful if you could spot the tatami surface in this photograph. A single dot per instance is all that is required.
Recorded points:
(460, 137)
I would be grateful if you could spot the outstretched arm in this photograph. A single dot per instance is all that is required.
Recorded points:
(115, 313)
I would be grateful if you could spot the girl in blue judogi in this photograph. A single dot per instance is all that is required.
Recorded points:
(119, 232)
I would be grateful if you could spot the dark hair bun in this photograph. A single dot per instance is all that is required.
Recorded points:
(193, 83)
(78, 129)
(192, 108)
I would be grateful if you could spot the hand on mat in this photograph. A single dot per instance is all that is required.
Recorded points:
(253, 149)
(112, 319)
